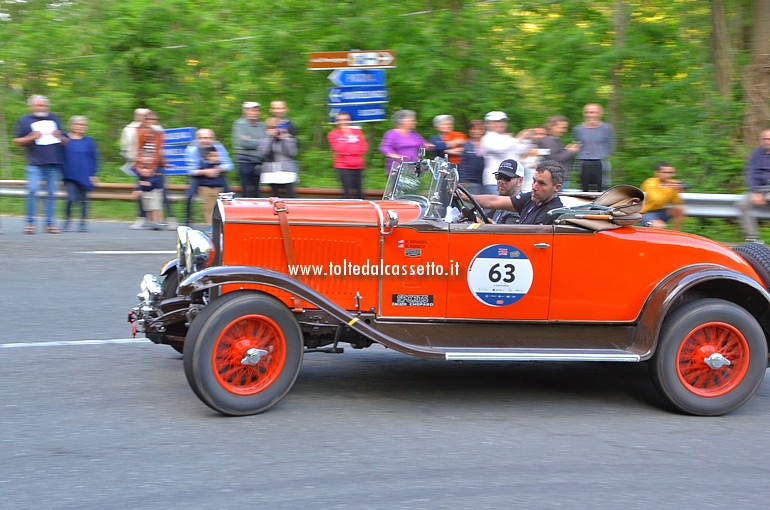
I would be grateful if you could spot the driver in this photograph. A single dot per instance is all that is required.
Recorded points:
(532, 207)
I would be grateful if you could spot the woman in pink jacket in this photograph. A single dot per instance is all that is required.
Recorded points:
(349, 146)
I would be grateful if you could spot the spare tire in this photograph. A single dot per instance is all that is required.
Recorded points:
(758, 257)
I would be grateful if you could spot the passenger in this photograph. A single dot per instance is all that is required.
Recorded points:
(533, 207)
(758, 180)
(662, 202)
(509, 177)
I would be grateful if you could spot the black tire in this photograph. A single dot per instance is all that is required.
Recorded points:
(231, 326)
(758, 257)
(702, 328)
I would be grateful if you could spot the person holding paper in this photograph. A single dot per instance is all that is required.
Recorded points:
(40, 132)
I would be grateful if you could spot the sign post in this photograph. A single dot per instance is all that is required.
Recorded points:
(359, 80)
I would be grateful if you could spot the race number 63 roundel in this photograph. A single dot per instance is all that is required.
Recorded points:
(500, 275)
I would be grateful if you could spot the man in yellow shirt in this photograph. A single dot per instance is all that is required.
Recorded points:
(662, 202)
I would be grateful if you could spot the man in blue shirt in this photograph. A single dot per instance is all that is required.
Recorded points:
(208, 161)
(40, 132)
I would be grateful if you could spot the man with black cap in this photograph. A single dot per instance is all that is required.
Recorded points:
(510, 176)
(532, 207)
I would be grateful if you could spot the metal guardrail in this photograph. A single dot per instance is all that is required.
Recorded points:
(697, 205)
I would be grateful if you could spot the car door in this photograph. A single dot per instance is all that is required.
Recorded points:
(504, 272)
(413, 275)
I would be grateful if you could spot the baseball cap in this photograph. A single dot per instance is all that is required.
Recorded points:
(510, 168)
(251, 104)
(496, 116)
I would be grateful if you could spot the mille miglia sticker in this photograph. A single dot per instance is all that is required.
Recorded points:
(412, 300)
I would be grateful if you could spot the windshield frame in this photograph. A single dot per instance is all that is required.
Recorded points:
(430, 183)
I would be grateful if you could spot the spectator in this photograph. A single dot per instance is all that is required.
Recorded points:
(81, 163)
(40, 132)
(662, 202)
(248, 131)
(402, 142)
(532, 207)
(448, 142)
(597, 143)
(556, 126)
(209, 162)
(150, 189)
(149, 145)
(499, 145)
(533, 157)
(279, 150)
(128, 140)
(278, 109)
(509, 179)
(758, 181)
(348, 147)
(471, 167)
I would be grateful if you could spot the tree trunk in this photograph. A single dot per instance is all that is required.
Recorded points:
(619, 23)
(757, 81)
(721, 54)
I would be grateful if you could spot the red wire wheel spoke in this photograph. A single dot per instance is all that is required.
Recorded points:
(244, 333)
(699, 344)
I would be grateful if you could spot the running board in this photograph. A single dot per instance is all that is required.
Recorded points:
(535, 355)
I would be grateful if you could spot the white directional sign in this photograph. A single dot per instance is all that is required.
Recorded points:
(352, 59)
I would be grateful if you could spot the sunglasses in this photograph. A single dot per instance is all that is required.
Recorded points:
(501, 177)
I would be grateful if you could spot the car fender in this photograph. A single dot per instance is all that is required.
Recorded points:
(168, 266)
(224, 275)
(692, 283)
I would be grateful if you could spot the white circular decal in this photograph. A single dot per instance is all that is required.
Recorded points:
(500, 275)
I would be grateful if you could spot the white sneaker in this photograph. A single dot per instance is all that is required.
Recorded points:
(138, 224)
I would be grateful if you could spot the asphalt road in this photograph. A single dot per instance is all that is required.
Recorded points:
(91, 419)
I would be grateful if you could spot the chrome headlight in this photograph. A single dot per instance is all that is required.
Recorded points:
(198, 251)
(151, 290)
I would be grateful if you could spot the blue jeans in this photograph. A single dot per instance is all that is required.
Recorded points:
(35, 174)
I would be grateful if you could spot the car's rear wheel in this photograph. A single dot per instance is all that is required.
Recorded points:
(243, 353)
(711, 357)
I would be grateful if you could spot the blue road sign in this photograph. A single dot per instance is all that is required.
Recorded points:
(358, 77)
(360, 112)
(176, 164)
(354, 95)
(183, 135)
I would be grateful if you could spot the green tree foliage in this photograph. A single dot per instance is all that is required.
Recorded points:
(196, 62)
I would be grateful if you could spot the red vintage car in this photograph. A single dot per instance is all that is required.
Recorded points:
(424, 272)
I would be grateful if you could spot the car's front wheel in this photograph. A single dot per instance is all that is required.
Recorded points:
(243, 353)
(711, 357)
